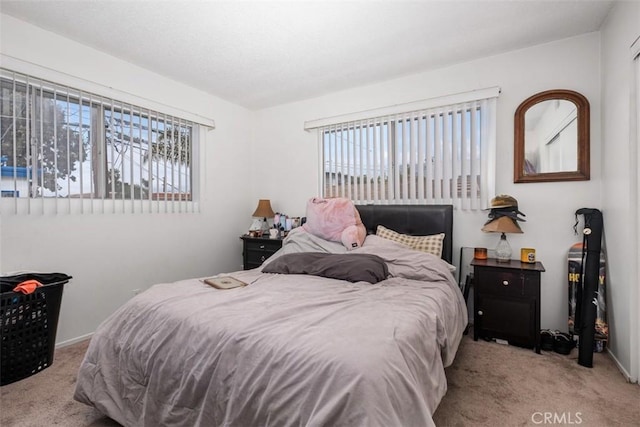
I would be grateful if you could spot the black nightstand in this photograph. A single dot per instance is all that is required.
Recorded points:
(255, 250)
(507, 301)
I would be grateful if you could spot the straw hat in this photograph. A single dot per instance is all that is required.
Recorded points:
(503, 201)
(504, 205)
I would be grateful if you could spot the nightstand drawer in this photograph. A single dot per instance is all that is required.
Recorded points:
(508, 283)
(258, 255)
(255, 251)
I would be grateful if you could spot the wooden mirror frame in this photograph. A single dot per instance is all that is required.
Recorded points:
(582, 174)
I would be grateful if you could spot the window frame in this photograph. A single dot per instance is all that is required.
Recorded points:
(410, 140)
(35, 89)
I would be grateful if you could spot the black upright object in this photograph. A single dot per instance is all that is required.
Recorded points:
(587, 292)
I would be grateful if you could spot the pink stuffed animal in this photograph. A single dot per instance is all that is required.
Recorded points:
(336, 220)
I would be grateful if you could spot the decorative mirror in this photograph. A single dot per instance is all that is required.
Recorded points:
(552, 138)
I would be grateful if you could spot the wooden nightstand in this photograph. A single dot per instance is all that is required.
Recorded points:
(507, 301)
(255, 250)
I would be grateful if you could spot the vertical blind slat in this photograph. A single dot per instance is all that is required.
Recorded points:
(430, 154)
(55, 146)
(327, 175)
(92, 190)
(15, 145)
(149, 157)
(322, 134)
(187, 176)
(422, 161)
(80, 150)
(326, 153)
(364, 185)
(396, 161)
(380, 178)
(413, 160)
(346, 170)
(354, 156)
(375, 160)
(457, 155)
(179, 165)
(487, 144)
(437, 170)
(29, 137)
(140, 159)
(173, 140)
(165, 166)
(121, 155)
(130, 151)
(447, 160)
(41, 150)
(111, 187)
(466, 168)
(175, 164)
(474, 163)
(359, 183)
(344, 155)
(366, 163)
(405, 158)
(390, 160)
(333, 171)
(362, 161)
(340, 160)
(369, 158)
(353, 172)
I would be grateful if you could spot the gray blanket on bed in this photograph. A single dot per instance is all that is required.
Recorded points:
(286, 350)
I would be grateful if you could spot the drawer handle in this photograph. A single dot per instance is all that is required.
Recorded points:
(261, 246)
(505, 282)
(262, 258)
(480, 313)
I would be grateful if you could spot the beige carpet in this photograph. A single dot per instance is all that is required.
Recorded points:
(489, 385)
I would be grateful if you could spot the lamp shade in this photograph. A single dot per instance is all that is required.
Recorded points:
(264, 209)
(503, 224)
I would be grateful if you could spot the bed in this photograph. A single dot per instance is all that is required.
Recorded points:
(288, 349)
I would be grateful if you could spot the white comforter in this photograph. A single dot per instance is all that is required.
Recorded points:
(285, 350)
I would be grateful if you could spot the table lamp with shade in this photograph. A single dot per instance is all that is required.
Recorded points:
(502, 225)
(263, 211)
(503, 219)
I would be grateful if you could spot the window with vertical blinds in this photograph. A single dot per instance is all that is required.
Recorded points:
(437, 155)
(59, 143)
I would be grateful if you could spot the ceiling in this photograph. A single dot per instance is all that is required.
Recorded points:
(264, 53)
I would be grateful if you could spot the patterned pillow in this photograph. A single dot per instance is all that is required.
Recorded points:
(430, 244)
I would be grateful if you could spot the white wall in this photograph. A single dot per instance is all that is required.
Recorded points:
(620, 30)
(110, 255)
(290, 175)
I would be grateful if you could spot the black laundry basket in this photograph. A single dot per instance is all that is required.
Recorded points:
(28, 325)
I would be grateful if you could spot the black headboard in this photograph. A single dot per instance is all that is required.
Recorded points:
(418, 220)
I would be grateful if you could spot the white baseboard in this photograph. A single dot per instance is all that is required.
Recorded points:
(624, 372)
(74, 340)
